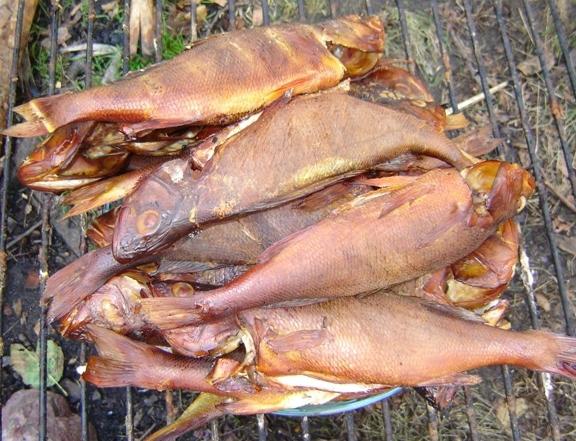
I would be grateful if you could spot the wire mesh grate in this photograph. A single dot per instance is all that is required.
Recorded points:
(435, 429)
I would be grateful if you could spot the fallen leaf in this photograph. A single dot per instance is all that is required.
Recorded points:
(26, 363)
(561, 225)
(17, 307)
(502, 411)
(543, 302)
(220, 3)
(201, 13)
(111, 8)
(567, 244)
(63, 35)
(531, 66)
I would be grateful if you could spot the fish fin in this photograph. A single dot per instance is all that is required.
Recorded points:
(185, 266)
(453, 380)
(265, 402)
(323, 198)
(438, 397)
(451, 311)
(456, 121)
(478, 142)
(564, 362)
(76, 281)
(203, 409)
(25, 129)
(223, 369)
(103, 192)
(172, 312)
(120, 359)
(298, 340)
(387, 181)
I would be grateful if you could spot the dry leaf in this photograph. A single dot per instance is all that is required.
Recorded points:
(567, 244)
(142, 26)
(220, 3)
(561, 225)
(531, 66)
(543, 302)
(63, 35)
(111, 8)
(201, 13)
(502, 411)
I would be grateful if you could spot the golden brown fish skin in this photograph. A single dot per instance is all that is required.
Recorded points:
(291, 151)
(215, 82)
(384, 238)
(374, 340)
(237, 241)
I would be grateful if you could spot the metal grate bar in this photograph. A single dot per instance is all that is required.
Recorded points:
(542, 196)
(129, 419)
(305, 425)
(433, 432)
(46, 201)
(83, 220)
(538, 174)
(555, 109)
(404, 30)
(445, 56)
(6, 183)
(472, 424)
(564, 46)
(387, 420)
(231, 15)
(301, 10)
(193, 24)
(352, 434)
(158, 31)
(369, 8)
(265, 13)
(262, 427)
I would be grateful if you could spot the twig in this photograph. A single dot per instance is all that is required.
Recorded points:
(561, 197)
(25, 234)
(477, 98)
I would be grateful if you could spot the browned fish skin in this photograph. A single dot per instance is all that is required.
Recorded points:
(216, 81)
(237, 241)
(383, 239)
(291, 151)
(374, 340)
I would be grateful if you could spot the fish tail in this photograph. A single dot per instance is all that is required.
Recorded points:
(125, 362)
(103, 192)
(203, 409)
(564, 360)
(76, 281)
(478, 142)
(176, 312)
(42, 116)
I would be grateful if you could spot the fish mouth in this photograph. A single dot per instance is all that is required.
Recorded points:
(149, 221)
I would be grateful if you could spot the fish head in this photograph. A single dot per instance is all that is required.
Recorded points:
(113, 306)
(357, 41)
(155, 214)
(500, 189)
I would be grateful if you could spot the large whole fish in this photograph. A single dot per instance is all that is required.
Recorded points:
(235, 242)
(343, 347)
(219, 79)
(377, 240)
(292, 150)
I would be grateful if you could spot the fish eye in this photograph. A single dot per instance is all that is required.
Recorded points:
(148, 222)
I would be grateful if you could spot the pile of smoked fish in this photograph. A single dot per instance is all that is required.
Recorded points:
(295, 227)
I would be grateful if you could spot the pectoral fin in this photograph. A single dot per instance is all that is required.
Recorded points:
(454, 380)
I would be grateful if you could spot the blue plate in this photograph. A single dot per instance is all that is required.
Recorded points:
(333, 408)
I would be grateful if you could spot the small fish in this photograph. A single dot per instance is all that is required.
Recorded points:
(238, 241)
(377, 240)
(218, 80)
(293, 149)
(342, 348)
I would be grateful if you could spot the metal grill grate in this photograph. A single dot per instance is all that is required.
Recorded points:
(546, 384)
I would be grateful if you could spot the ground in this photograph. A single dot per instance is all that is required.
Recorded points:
(409, 412)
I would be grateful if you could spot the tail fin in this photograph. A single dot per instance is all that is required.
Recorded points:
(40, 115)
(104, 192)
(478, 142)
(79, 279)
(564, 362)
(202, 410)
(125, 362)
